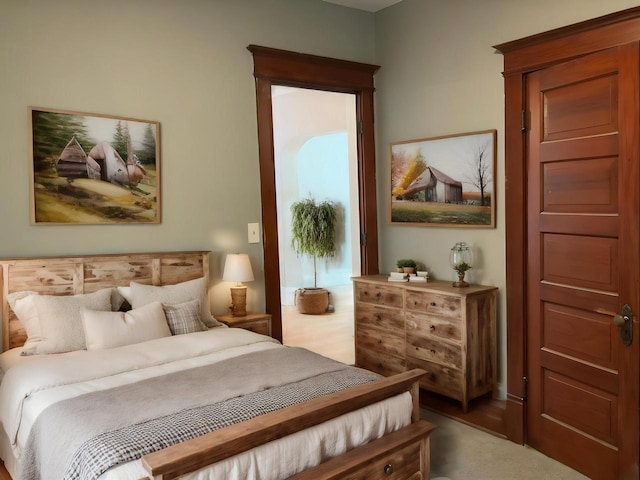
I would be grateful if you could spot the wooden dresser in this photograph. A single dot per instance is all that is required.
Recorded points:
(449, 332)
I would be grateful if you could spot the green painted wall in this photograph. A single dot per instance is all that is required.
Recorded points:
(182, 63)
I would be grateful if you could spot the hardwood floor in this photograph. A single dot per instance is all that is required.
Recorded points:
(485, 413)
(329, 334)
(4, 475)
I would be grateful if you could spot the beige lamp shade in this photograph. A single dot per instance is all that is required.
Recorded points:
(237, 268)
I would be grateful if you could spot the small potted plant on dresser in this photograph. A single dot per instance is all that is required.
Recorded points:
(313, 229)
(406, 265)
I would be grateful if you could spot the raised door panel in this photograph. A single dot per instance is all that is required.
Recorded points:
(580, 261)
(580, 109)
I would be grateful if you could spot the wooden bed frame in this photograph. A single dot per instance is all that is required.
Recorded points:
(401, 455)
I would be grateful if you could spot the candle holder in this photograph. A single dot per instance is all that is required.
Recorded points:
(461, 260)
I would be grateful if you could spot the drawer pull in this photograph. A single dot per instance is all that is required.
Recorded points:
(388, 469)
(432, 328)
(433, 304)
(378, 294)
(433, 352)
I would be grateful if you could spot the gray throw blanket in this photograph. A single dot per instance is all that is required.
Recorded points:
(82, 437)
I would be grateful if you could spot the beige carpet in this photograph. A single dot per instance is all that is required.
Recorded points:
(461, 452)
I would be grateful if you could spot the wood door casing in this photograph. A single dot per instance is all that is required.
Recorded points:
(583, 237)
(280, 67)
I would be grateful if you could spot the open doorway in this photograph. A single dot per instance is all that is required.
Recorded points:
(315, 154)
(281, 67)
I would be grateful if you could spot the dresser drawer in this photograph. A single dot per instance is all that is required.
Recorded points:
(386, 295)
(383, 364)
(432, 326)
(384, 342)
(439, 378)
(434, 350)
(390, 319)
(433, 303)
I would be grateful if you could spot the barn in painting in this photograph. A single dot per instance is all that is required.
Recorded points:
(434, 186)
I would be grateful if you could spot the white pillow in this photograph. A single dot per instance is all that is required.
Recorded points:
(184, 317)
(115, 329)
(23, 306)
(142, 294)
(60, 319)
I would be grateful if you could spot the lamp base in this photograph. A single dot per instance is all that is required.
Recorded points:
(239, 301)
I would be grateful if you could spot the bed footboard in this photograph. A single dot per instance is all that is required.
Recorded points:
(401, 455)
(194, 454)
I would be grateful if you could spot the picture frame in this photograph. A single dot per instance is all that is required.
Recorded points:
(446, 181)
(93, 169)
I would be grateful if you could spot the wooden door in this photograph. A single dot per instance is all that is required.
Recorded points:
(583, 262)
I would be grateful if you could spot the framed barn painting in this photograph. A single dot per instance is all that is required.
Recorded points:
(444, 181)
(93, 169)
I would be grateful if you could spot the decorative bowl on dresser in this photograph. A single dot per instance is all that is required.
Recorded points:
(449, 332)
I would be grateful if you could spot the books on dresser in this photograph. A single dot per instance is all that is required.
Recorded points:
(398, 277)
(420, 277)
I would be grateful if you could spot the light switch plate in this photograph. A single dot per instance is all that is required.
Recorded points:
(254, 233)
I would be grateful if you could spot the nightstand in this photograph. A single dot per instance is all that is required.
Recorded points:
(255, 322)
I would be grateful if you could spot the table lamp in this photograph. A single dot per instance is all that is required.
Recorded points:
(237, 268)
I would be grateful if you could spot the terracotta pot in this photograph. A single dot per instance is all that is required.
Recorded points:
(409, 269)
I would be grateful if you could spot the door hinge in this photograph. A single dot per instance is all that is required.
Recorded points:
(360, 127)
(523, 120)
(363, 239)
(525, 384)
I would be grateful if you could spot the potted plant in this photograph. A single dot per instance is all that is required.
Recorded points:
(313, 230)
(406, 265)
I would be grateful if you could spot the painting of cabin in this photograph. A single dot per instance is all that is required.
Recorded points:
(94, 169)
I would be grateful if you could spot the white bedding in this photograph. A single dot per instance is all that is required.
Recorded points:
(31, 384)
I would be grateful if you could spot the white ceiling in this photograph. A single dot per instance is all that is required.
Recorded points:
(368, 5)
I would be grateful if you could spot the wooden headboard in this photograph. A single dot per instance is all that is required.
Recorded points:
(86, 274)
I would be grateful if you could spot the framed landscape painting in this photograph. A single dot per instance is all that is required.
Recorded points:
(93, 169)
(444, 181)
